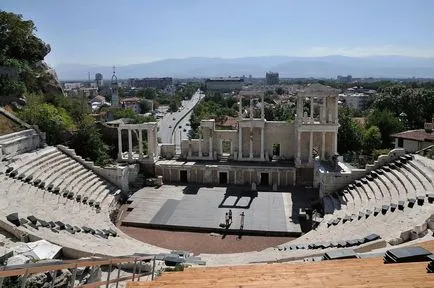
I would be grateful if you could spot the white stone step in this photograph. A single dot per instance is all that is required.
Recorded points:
(30, 166)
(398, 184)
(417, 186)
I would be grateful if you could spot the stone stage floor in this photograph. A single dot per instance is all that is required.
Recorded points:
(198, 208)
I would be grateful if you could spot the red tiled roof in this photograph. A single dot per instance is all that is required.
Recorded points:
(418, 135)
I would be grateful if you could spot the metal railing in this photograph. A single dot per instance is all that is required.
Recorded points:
(26, 270)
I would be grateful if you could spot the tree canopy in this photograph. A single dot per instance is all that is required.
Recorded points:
(18, 40)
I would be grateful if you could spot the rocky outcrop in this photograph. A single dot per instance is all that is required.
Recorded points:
(47, 78)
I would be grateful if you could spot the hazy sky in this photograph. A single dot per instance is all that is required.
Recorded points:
(136, 31)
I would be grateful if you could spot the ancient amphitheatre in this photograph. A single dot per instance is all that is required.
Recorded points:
(66, 200)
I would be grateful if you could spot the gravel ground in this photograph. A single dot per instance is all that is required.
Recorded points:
(203, 242)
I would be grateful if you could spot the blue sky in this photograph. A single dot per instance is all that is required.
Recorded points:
(137, 31)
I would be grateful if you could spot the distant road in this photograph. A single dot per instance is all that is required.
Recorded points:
(168, 125)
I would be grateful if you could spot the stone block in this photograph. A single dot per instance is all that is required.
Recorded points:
(65, 193)
(85, 199)
(54, 230)
(32, 219)
(9, 170)
(42, 185)
(13, 173)
(113, 232)
(401, 205)
(50, 187)
(52, 224)
(91, 202)
(37, 182)
(21, 176)
(70, 195)
(56, 190)
(24, 221)
(14, 219)
(78, 198)
(70, 230)
(44, 223)
(77, 229)
(97, 204)
(60, 224)
(33, 226)
(28, 179)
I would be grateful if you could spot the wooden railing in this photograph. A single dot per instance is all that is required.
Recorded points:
(26, 270)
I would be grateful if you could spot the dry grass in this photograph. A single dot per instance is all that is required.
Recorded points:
(8, 126)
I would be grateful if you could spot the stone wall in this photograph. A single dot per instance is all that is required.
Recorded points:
(19, 142)
(117, 175)
(331, 181)
(167, 151)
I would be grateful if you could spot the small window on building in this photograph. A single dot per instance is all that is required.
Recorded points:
(400, 142)
(276, 149)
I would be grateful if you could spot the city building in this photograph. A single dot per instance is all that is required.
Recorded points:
(415, 140)
(157, 83)
(345, 79)
(99, 80)
(132, 103)
(97, 102)
(272, 78)
(358, 101)
(224, 84)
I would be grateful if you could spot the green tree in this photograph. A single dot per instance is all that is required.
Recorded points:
(145, 106)
(388, 124)
(173, 106)
(18, 41)
(52, 120)
(87, 142)
(349, 133)
(371, 139)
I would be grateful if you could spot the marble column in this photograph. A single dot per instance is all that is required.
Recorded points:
(141, 144)
(311, 108)
(154, 142)
(189, 148)
(324, 108)
(335, 142)
(311, 147)
(120, 143)
(262, 143)
(240, 142)
(200, 144)
(240, 108)
(298, 160)
(130, 145)
(211, 156)
(251, 144)
(336, 120)
(300, 107)
(251, 108)
(322, 145)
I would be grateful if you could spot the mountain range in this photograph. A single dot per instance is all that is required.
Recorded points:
(286, 66)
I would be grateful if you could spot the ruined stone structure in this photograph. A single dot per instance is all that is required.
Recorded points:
(276, 153)
(151, 132)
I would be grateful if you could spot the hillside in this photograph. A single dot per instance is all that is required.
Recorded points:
(286, 66)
